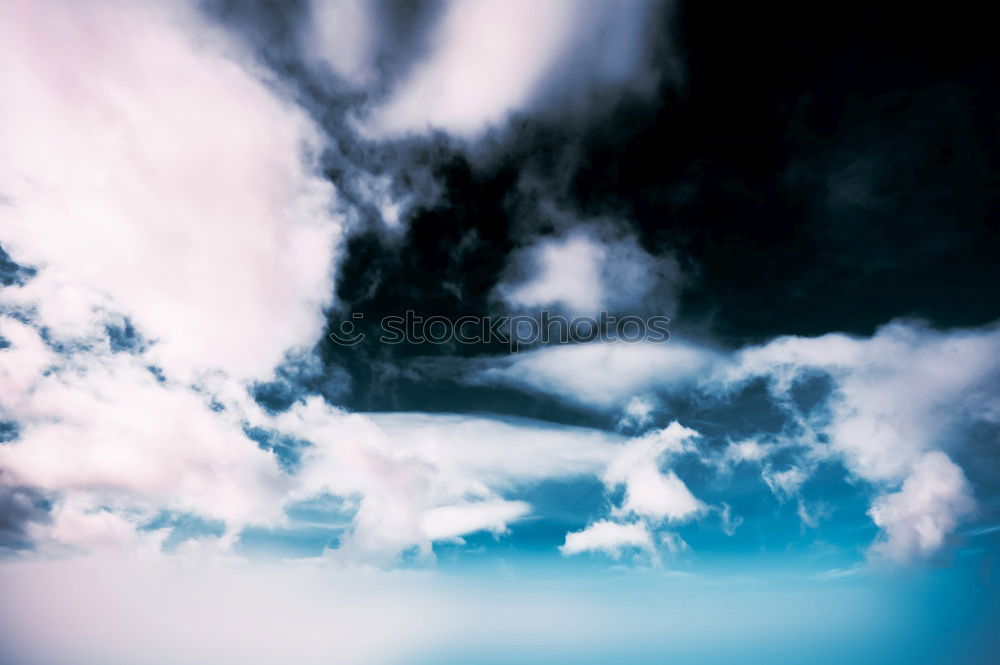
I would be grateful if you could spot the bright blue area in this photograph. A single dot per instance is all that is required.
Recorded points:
(311, 527)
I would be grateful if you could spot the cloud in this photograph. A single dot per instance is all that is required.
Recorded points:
(638, 412)
(652, 496)
(457, 520)
(901, 400)
(204, 222)
(603, 376)
(473, 79)
(425, 477)
(568, 275)
(894, 397)
(157, 185)
(784, 483)
(918, 518)
(342, 34)
(906, 390)
(649, 492)
(114, 444)
(588, 270)
(105, 430)
(22, 509)
(608, 537)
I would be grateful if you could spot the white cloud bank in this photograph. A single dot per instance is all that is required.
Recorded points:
(148, 173)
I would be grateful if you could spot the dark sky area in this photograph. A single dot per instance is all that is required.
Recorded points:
(816, 168)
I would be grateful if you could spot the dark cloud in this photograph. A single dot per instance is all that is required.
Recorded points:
(10, 272)
(812, 168)
(20, 507)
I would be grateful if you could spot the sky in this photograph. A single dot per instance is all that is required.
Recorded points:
(472, 332)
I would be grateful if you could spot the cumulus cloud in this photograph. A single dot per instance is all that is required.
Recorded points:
(918, 518)
(167, 199)
(902, 399)
(652, 497)
(649, 492)
(900, 393)
(149, 173)
(104, 427)
(611, 538)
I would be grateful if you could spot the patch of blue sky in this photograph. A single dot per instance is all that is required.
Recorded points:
(183, 527)
(312, 526)
(289, 542)
(557, 506)
(286, 448)
(763, 529)
(124, 338)
(9, 431)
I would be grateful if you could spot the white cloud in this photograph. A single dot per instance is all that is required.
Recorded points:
(897, 394)
(649, 492)
(904, 392)
(341, 34)
(638, 412)
(673, 543)
(901, 400)
(453, 521)
(651, 495)
(784, 483)
(918, 518)
(85, 528)
(603, 376)
(589, 270)
(474, 78)
(608, 537)
(149, 174)
(746, 450)
(425, 477)
(568, 275)
(102, 430)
